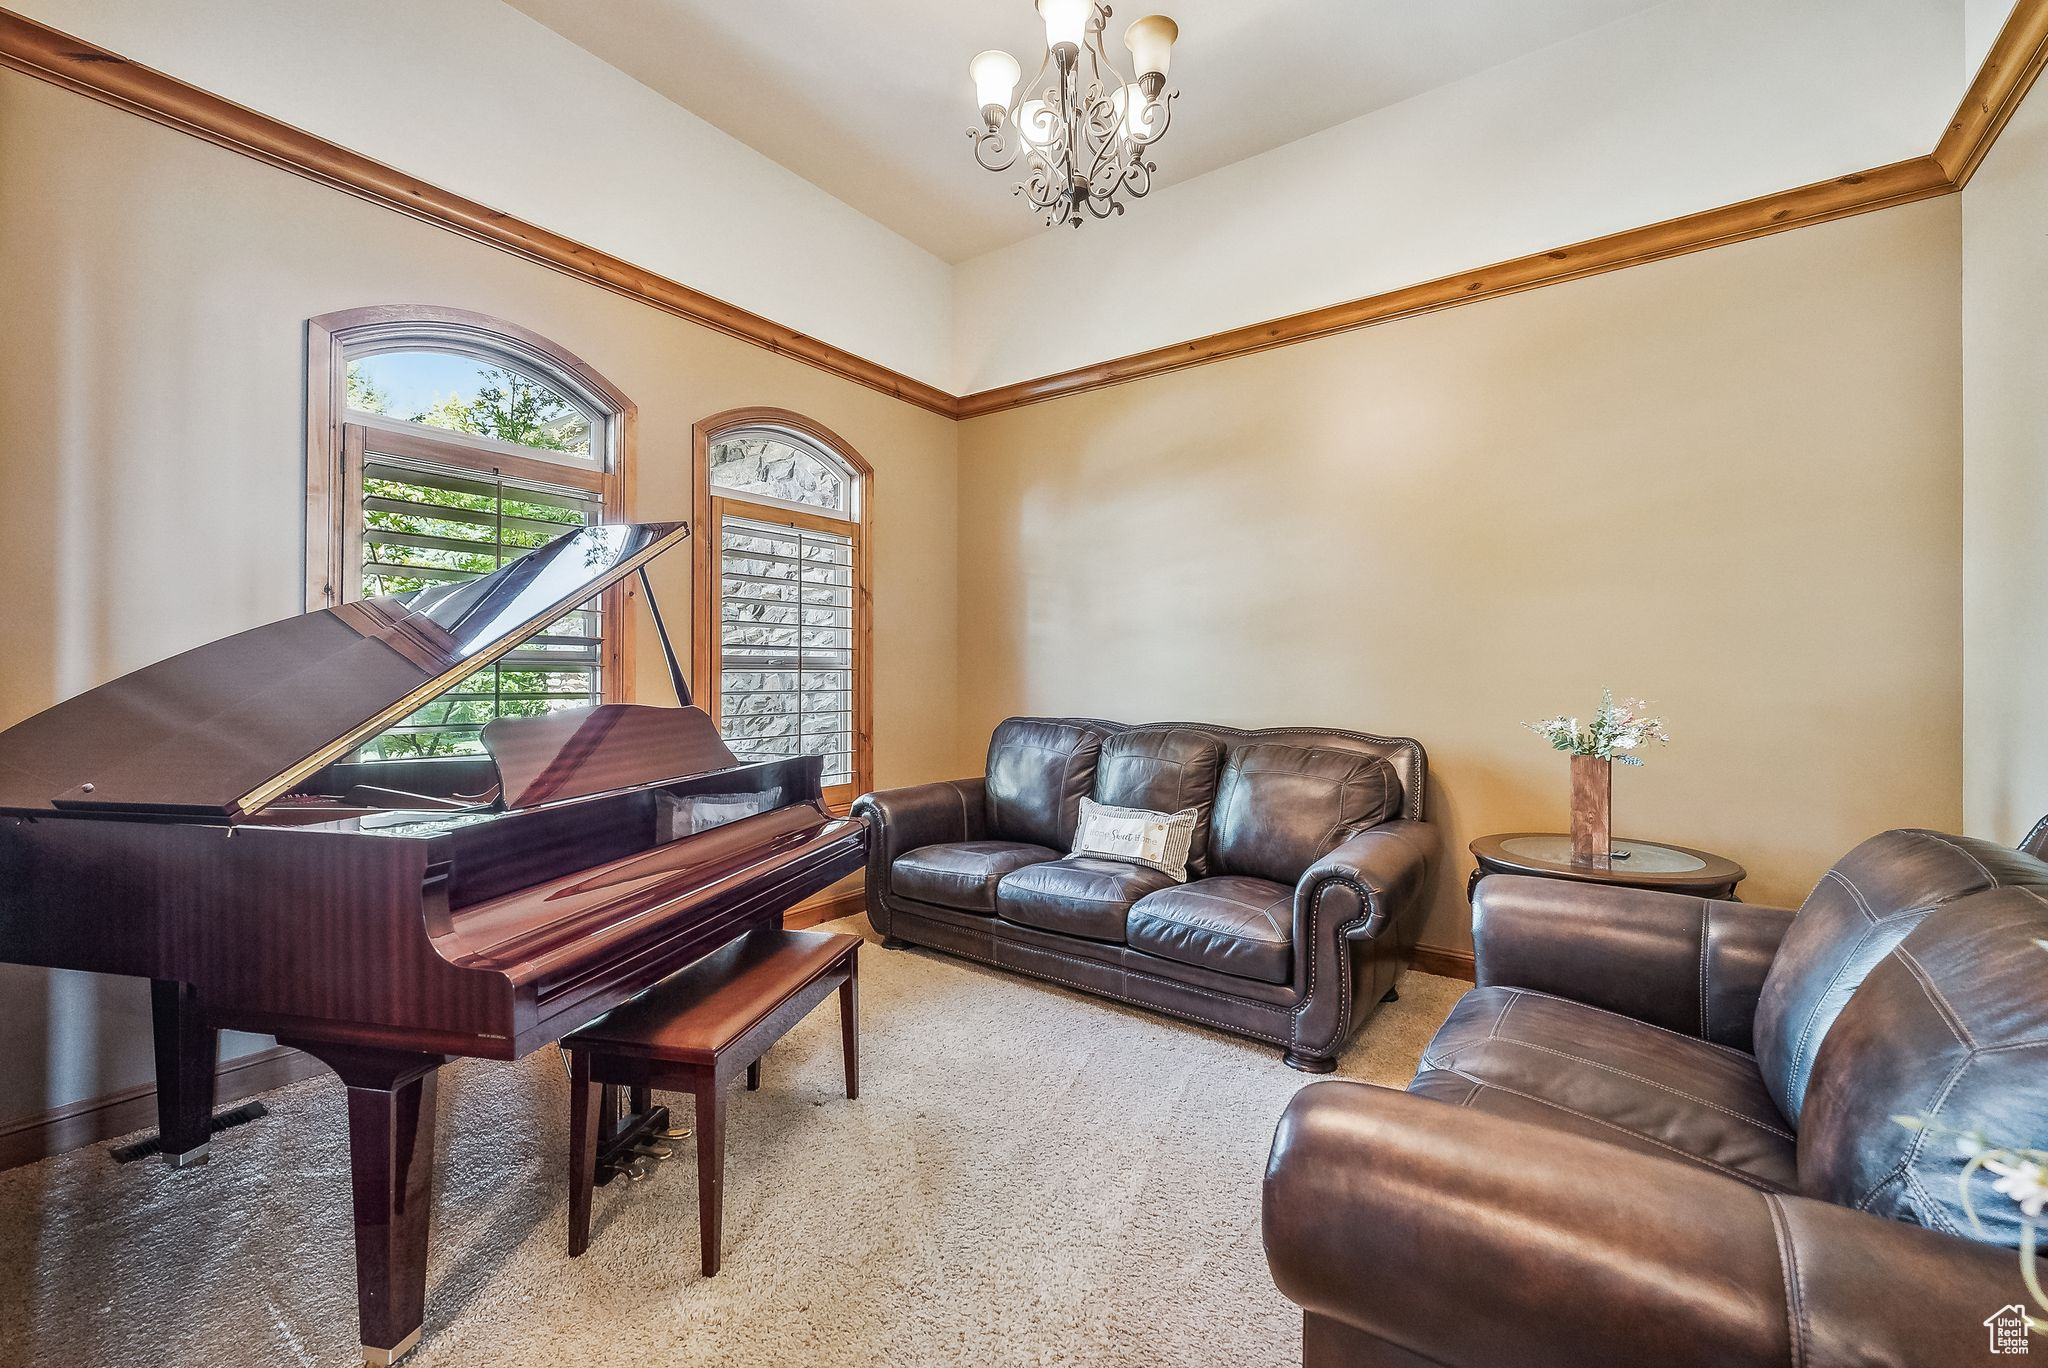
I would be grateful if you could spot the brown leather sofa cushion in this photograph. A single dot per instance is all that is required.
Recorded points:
(1575, 1068)
(1083, 895)
(1281, 808)
(963, 874)
(1953, 1024)
(1233, 924)
(1038, 772)
(1861, 909)
(1164, 769)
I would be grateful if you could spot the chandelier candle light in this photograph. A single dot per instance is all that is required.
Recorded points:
(1085, 133)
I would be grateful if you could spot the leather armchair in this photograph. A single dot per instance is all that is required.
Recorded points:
(1691, 965)
(1411, 1232)
(1659, 1131)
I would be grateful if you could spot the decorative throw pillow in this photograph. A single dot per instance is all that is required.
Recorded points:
(1156, 840)
(680, 817)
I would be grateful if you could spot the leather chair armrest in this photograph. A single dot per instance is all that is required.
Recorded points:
(901, 820)
(1475, 1240)
(1692, 965)
(1373, 886)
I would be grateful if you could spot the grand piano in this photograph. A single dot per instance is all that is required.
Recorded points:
(210, 823)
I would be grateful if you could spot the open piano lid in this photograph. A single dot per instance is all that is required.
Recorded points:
(218, 732)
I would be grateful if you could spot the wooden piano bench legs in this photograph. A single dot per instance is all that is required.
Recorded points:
(694, 1033)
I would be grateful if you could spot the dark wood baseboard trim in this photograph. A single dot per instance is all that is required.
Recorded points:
(1438, 959)
(826, 906)
(94, 1119)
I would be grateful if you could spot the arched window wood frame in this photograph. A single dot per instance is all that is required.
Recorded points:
(710, 509)
(337, 441)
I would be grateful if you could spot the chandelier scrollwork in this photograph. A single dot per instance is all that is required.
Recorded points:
(1080, 128)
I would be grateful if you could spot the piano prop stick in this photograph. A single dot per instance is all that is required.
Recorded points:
(212, 823)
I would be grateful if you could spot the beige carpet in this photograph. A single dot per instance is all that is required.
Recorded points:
(1030, 1177)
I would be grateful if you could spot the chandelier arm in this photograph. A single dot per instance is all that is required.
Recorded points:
(995, 143)
(1163, 108)
(1137, 178)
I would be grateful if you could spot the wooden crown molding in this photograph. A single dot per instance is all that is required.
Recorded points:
(2009, 71)
(1899, 183)
(43, 52)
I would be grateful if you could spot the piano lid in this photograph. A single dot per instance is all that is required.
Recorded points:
(225, 728)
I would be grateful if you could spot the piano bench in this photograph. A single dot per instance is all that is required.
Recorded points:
(693, 1032)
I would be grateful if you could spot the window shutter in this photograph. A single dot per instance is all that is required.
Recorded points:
(424, 524)
(786, 642)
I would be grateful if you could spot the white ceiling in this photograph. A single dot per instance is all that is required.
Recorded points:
(869, 99)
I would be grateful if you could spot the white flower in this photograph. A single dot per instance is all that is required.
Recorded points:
(2025, 1182)
(1626, 741)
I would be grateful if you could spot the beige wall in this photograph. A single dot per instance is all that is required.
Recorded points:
(153, 297)
(2005, 481)
(1728, 483)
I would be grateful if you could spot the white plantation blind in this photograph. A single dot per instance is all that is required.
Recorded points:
(786, 643)
(423, 525)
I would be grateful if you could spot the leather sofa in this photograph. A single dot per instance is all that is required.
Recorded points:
(1659, 1130)
(1308, 873)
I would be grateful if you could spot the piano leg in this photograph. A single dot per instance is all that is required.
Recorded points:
(391, 1157)
(187, 1052)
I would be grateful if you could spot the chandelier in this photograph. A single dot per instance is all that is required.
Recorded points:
(1085, 133)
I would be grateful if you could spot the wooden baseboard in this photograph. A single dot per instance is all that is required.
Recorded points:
(88, 1122)
(830, 905)
(1437, 959)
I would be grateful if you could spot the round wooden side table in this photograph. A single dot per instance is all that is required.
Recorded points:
(1634, 864)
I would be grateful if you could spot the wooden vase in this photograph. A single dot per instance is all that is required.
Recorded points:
(1592, 810)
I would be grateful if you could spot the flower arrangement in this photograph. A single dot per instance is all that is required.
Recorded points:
(1617, 731)
(2022, 1176)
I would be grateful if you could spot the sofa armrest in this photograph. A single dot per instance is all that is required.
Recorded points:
(1476, 1240)
(1692, 965)
(900, 820)
(1372, 889)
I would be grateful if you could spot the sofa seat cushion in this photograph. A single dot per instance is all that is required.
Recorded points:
(1083, 895)
(963, 874)
(1234, 924)
(1571, 1067)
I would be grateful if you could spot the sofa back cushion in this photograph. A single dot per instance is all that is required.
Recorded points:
(1164, 769)
(1951, 1025)
(1281, 808)
(1039, 770)
(1858, 913)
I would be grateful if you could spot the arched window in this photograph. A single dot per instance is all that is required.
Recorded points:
(441, 444)
(781, 646)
